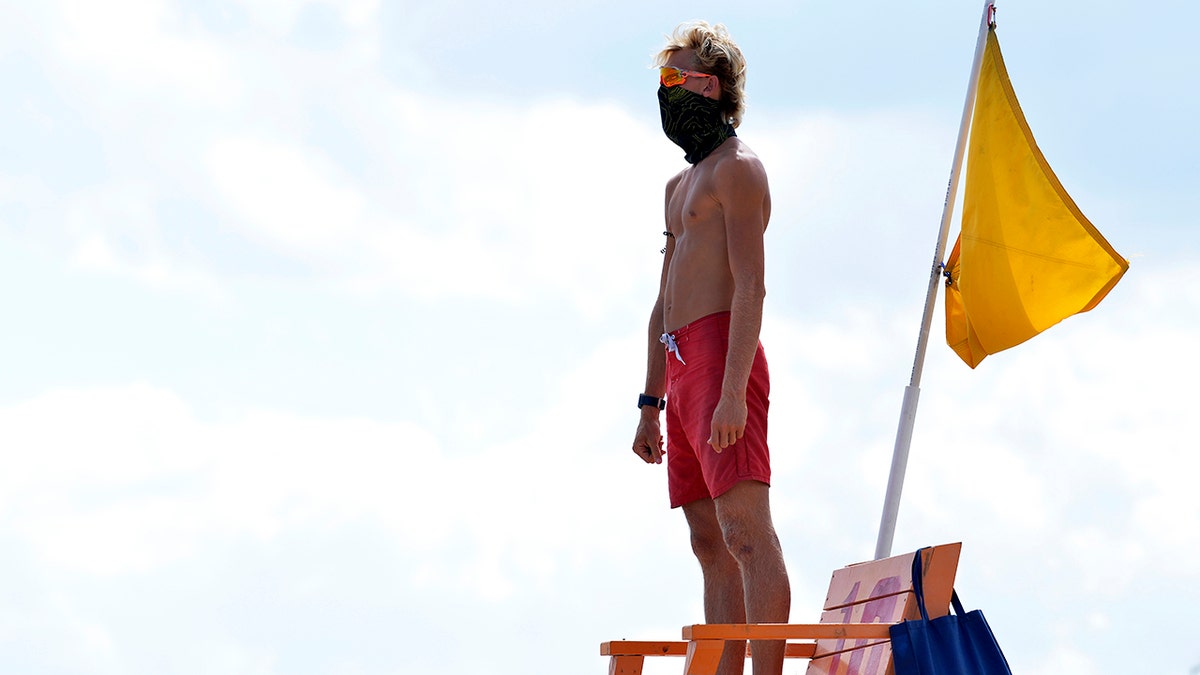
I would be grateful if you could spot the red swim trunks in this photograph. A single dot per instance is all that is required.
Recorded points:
(694, 469)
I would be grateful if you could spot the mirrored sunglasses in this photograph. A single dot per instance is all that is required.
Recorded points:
(670, 76)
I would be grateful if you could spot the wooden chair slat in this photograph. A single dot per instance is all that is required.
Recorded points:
(794, 650)
(782, 631)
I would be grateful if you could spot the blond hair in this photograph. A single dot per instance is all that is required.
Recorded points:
(715, 53)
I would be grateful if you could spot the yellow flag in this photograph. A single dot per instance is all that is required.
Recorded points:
(1026, 258)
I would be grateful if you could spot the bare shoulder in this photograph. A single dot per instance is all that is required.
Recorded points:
(674, 183)
(740, 168)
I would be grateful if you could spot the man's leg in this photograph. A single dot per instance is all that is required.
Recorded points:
(723, 584)
(744, 516)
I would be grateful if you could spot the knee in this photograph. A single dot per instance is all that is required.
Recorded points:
(747, 543)
(709, 547)
(738, 542)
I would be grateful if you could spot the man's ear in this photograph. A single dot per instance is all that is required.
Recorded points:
(710, 85)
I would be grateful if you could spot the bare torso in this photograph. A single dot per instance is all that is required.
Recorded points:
(703, 203)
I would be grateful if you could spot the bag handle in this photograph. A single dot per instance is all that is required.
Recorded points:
(918, 574)
(918, 571)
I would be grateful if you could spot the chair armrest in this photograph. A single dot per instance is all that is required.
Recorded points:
(642, 648)
(794, 650)
(786, 631)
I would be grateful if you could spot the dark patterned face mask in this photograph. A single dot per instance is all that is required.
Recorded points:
(693, 122)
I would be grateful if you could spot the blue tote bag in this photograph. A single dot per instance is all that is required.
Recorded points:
(955, 644)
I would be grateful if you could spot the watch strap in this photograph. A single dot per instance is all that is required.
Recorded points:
(644, 400)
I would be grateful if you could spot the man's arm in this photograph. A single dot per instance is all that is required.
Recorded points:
(741, 187)
(647, 442)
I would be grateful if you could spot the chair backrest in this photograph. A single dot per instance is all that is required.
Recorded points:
(881, 591)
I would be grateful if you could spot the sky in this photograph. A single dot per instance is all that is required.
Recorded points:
(323, 324)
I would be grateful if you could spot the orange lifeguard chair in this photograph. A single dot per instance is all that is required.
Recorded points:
(852, 638)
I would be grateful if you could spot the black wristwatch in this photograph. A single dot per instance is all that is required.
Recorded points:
(644, 400)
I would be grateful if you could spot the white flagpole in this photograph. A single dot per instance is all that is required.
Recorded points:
(908, 410)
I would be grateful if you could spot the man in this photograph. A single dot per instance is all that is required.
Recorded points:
(710, 366)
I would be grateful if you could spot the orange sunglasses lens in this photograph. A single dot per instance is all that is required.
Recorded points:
(670, 76)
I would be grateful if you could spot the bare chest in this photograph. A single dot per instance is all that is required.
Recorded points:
(693, 211)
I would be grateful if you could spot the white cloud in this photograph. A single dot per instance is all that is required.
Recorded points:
(501, 201)
(288, 197)
(280, 16)
(1067, 661)
(145, 45)
(114, 228)
(135, 481)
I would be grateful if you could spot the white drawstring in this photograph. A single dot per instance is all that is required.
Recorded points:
(669, 340)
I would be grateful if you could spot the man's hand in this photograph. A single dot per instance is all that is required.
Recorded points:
(728, 422)
(648, 442)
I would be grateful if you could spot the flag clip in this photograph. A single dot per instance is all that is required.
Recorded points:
(946, 273)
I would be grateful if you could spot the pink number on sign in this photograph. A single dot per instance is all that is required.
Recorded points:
(879, 609)
(847, 615)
